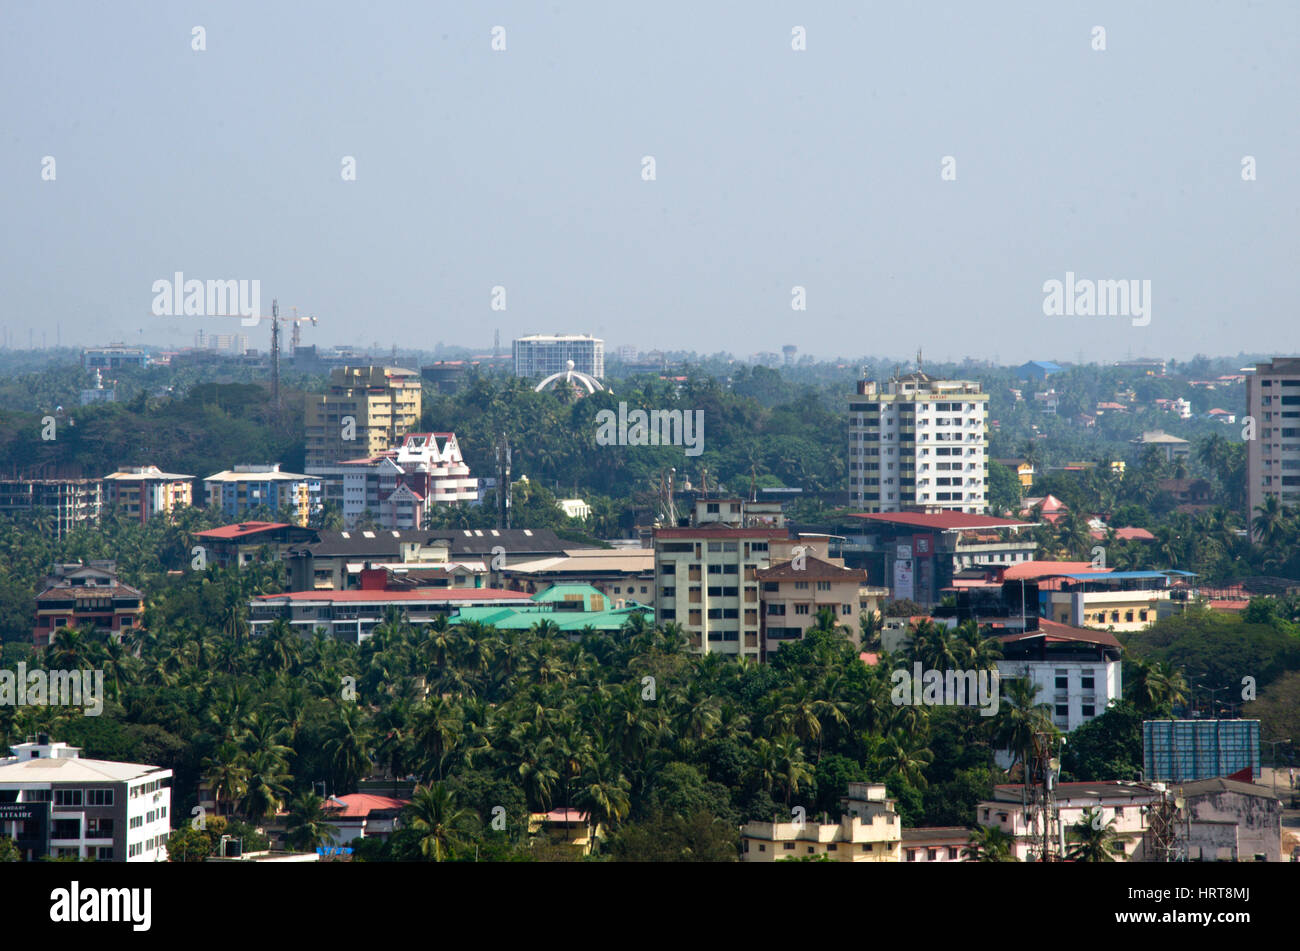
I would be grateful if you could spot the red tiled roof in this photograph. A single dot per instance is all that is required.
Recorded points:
(359, 805)
(1127, 534)
(814, 570)
(1030, 570)
(241, 529)
(412, 594)
(939, 521)
(1055, 631)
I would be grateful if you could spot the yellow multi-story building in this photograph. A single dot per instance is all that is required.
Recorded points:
(364, 411)
(870, 831)
(142, 492)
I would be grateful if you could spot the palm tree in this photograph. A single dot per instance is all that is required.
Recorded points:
(1153, 686)
(1269, 526)
(1092, 840)
(603, 795)
(309, 827)
(1020, 718)
(990, 844)
(348, 746)
(438, 822)
(226, 773)
(267, 787)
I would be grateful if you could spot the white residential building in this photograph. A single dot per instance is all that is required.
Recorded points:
(400, 486)
(53, 802)
(1077, 671)
(917, 443)
(1126, 803)
(540, 355)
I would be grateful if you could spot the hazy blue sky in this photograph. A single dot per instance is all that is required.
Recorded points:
(775, 168)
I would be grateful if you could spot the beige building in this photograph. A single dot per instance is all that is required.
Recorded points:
(145, 491)
(1273, 456)
(383, 404)
(706, 576)
(1126, 803)
(803, 580)
(917, 443)
(869, 831)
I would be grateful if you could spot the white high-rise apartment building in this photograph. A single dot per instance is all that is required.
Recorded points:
(540, 355)
(1273, 456)
(918, 444)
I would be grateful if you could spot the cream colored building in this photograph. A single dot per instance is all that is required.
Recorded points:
(918, 443)
(1127, 804)
(869, 831)
(706, 576)
(802, 581)
(1273, 456)
(383, 404)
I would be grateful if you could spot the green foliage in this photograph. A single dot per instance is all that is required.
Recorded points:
(1107, 747)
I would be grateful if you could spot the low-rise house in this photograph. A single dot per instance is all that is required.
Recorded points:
(86, 595)
(242, 542)
(935, 844)
(1126, 803)
(565, 827)
(869, 831)
(363, 816)
(1171, 446)
(1229, 820)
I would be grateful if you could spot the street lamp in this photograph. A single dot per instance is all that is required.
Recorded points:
(1274, 744)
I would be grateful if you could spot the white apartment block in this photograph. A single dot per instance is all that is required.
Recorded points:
(1273, 457)
(917, 443)
(1077, 671)
(541, 355)
(53, 802)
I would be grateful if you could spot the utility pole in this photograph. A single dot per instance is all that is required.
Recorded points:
(275, 353)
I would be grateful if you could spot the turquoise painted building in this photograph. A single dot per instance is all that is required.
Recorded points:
(571, 607)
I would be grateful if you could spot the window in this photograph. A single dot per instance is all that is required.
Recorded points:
(801, 586)
(846, 609)
(1089, 710)
(99, 797)
(100, 829)
(67, 797)
(762, 847)
(952, 854)
(788, 846)
(932, 855)
(1062, 709)
(1086, 680)
(801, 609)
(105, 853)
(1062, 680)
(911, 855)
(823, 586)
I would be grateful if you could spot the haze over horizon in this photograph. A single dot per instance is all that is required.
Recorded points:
(775, 168)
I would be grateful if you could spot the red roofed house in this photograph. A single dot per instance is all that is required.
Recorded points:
(240, 543)
(363, 816)
(1052, 507)
(77, 595)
